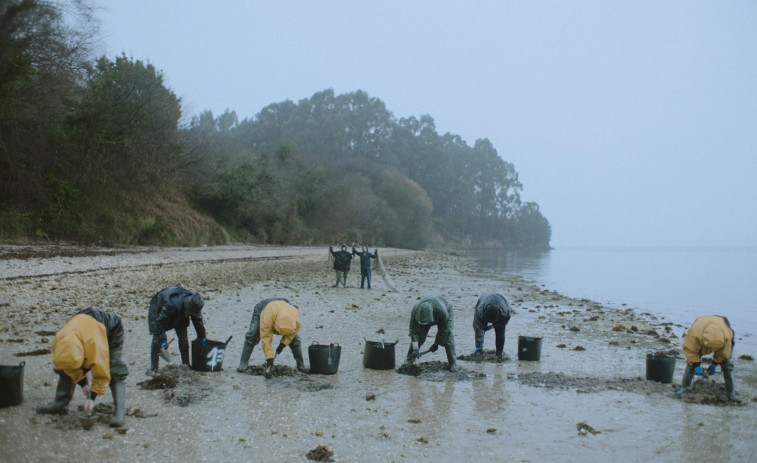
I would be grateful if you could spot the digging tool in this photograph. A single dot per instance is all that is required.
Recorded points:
(268, 370)
(164, 352)
(411, 362)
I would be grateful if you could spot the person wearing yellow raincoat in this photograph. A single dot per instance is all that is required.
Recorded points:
(710, 334)
(91, 341)
(269, 317)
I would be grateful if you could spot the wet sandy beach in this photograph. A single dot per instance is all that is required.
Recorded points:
(591, 370)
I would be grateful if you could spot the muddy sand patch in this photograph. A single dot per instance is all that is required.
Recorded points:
(704, 391)
(438, 371)
(103, 412)
(489, 356)
(288, 377)
(708, 392)
(180, 384)
(586, 384)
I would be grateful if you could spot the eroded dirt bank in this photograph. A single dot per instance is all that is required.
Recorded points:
(590, 374)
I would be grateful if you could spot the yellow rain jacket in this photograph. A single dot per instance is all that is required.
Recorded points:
(280, 318)
(81, 345)
(708, 334)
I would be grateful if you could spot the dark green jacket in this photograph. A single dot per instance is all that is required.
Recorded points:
(342, 260)
(430, 311)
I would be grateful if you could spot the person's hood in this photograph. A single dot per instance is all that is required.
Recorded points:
(68, 352)
(425, 313)
(287, 322)
(713, 337)
(193, 304)
(491, 314)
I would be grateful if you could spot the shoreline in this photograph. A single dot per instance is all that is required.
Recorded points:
(234, 279)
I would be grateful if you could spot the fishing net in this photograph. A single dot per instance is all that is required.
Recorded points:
(385, 275)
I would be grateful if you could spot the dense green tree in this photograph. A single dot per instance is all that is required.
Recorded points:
(93, 149)
(43, 59)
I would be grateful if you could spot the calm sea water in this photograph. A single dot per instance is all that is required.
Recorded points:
(678, 284)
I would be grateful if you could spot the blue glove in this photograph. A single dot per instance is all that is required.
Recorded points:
(488, 327)
(698, 371)
(712, 369)
(202, 341)
(164, 345)
(478, 349)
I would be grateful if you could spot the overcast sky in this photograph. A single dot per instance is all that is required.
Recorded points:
(629, 123)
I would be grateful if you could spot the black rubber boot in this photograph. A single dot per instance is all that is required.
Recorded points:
(688, 376)
(118, 389)
(184, 350)
(63, 394)
(154, 355)
(728, 377)
(297, 354)
(451, 358)
(244, 361)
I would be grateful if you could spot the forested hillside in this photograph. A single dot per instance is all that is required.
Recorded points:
(93, 150)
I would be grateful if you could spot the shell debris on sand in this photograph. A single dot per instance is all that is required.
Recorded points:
(159, 381)
(320, 453)
(583, 428)
(489, 355)
(438, 371)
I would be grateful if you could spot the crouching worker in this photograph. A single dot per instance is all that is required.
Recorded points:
(171, 309)
(269, 317)
(430, 311)
(709, 334)
(492, 311)
(91, 341)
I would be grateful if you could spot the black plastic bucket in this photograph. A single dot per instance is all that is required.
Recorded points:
(529, 348)
(208, 357)
(660, 368)
(378, 355)
(324, 359)
(11, 384)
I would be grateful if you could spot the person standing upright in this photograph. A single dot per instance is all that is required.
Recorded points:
(365, 265)
(342, 261)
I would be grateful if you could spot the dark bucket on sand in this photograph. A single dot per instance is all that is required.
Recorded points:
(11, 384)
(379, 355)
(529, 348)
(324, 359)
(208, 357)
(660, 368)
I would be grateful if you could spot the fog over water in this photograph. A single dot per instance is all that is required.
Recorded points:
(630, 124)
(677, 283)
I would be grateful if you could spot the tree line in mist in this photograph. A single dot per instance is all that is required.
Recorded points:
(93, 150)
